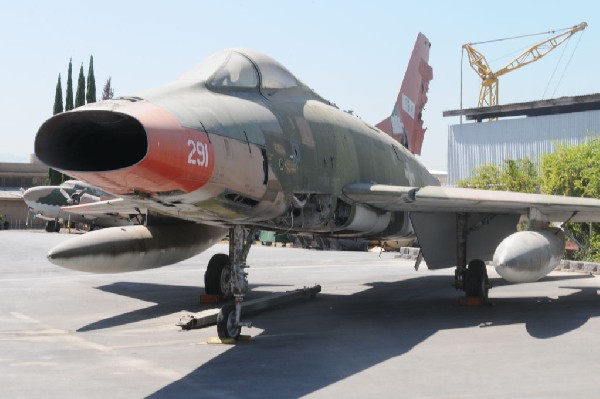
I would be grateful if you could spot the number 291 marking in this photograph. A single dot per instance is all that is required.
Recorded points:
(198, 154)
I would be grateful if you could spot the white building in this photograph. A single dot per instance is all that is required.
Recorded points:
(534, 128)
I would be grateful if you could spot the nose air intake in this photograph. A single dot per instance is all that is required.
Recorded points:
(91, 141)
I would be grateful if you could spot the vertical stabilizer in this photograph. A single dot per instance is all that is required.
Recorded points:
(405, 124)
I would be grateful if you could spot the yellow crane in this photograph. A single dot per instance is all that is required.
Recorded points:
(488, 94)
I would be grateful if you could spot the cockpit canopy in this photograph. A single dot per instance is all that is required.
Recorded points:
(82, 186)
(242, 69)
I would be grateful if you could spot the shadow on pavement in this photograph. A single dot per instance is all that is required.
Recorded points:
(308, 346)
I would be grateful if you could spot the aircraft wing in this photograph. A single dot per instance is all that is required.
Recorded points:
(40, 216)
(432, 199)
(112, 206)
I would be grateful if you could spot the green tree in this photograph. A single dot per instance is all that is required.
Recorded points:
(486, 177)
(55, 178)
(58, 100)
(574, 170)
(520, 175)
(69, 95)
(90, 95)
(107, 92)
(80, 93)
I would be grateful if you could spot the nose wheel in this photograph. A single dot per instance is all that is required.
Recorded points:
(226, 324)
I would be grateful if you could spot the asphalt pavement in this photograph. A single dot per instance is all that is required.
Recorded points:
(378, 329)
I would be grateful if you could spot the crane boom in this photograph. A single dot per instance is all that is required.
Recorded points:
(488, 94)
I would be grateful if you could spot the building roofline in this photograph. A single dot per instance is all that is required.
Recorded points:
(561, 105)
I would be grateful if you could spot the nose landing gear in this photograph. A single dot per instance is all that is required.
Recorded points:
(229, 324)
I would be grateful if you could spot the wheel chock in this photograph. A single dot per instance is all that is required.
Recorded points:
(471, 301)
(228, 341)
(211, 298)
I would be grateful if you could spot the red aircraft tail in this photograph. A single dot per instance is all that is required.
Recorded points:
(405, 124)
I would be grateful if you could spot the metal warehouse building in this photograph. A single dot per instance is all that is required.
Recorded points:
(532, 129)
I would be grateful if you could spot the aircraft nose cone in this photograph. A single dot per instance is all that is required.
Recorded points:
(45, 195)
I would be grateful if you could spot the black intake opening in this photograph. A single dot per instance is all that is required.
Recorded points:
(91, 141)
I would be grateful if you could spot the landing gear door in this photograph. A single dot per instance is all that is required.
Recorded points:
(436, 233)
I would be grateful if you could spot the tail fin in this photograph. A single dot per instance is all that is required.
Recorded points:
(405, 124)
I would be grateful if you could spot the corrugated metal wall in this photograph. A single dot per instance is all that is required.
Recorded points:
(473, 144)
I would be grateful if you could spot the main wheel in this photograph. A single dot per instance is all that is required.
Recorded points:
(218, 276)
(226, 327)
(50, 226)
(476, 281)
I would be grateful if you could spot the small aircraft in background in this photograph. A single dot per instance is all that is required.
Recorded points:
(47, 203)
(239, 144)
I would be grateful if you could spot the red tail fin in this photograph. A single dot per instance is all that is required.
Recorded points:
(405, 123)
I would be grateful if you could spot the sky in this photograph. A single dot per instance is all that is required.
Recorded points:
(352, 53)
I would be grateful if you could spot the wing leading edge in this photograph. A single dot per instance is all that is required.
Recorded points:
(117, 205)
(538, 207)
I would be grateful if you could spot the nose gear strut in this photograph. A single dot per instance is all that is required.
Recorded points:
(229, 324)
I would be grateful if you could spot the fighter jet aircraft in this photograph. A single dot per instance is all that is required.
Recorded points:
(240, 143)
(50, 203)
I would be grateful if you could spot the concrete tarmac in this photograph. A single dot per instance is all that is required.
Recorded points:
(378, 329)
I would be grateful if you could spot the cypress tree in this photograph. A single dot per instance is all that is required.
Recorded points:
(90, 95)
(58, 101)
(80, 93)
(69, 98)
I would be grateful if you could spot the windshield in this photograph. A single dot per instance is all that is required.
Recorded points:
(81, 186)
(237, 71)
(206, 68)
(241, 69)
(225, 69)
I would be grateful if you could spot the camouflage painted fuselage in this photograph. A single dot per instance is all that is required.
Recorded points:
(273, 153)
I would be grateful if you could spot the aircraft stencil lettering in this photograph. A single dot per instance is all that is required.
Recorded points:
(239, 143)
(408, 106)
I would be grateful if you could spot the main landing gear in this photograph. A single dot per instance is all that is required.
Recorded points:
(225, 276)
(473, 279)
(52, 226)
